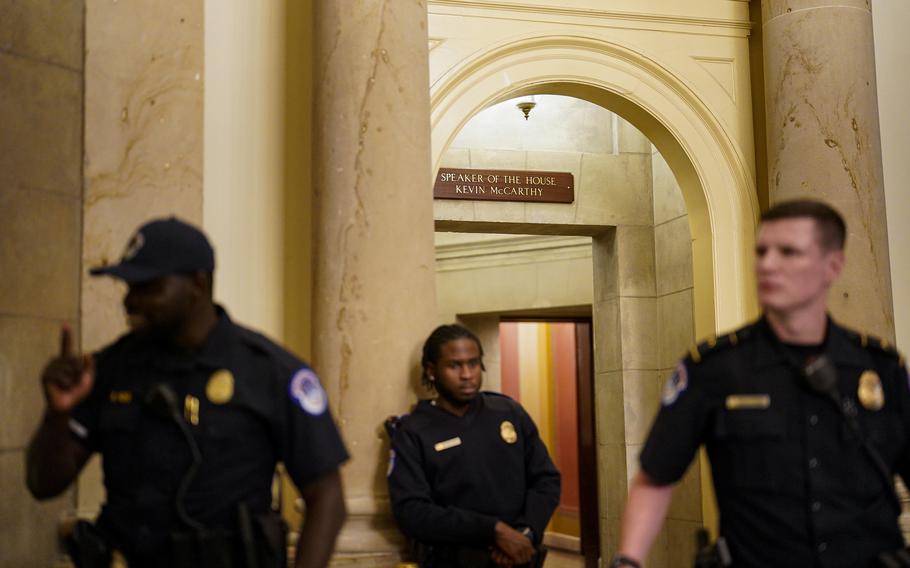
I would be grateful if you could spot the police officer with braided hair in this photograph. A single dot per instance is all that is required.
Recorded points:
(469, 478)
(805, 422)
(190, 413)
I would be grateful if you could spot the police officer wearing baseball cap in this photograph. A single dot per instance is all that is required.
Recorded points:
(190, 413)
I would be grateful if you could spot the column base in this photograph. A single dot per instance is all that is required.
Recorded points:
(366, 559)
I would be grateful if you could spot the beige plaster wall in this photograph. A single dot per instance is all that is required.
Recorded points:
(609, 159)
(243, 172)
(892, 51)
(511, 273)
(40, 229)
(486, 327)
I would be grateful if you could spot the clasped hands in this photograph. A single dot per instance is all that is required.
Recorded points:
(511, 548)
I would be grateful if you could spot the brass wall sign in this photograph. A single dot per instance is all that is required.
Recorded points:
(504, 185)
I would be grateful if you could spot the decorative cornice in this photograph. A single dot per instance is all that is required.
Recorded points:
(510, 250)
(587, 13)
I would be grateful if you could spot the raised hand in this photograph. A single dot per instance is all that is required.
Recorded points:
(68, 378)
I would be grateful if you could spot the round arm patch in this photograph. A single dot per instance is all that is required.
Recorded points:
(308, 392)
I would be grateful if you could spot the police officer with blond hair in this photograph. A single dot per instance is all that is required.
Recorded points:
(805, 422)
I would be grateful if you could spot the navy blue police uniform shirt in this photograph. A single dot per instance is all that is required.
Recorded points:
(451, 478)
(248, 403)
(794, 485)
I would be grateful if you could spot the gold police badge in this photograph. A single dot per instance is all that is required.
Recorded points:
(220, 387)
(870, 392)
(507, 431)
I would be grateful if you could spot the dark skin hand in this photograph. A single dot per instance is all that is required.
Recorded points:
(511, 547)
(325, 513)
(54, 457)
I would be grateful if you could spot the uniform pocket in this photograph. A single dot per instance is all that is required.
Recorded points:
(119, 418)
(118, 425)
(885, 431)
(746, 449)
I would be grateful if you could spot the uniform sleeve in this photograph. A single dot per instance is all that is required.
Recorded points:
(541, 478)
(311, 444)
(84, 418)
(678, 430)
(412, 503)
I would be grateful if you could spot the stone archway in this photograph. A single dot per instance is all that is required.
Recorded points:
(716, 181)
(715, 178)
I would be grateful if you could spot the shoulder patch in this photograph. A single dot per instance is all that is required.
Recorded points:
(308, 392)
(675, 385)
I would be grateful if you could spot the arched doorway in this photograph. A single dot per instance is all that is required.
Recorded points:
(715, 179)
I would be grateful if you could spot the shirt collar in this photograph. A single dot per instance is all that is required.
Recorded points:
(216, 350)
(837, 345)
(214, 353)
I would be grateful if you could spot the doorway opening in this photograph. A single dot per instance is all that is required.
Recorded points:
(546, 365)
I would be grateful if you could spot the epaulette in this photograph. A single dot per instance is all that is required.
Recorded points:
(499, 394)
(717, 344)
(255, 340)
(265, 346)
(876, 344)
(499, 401)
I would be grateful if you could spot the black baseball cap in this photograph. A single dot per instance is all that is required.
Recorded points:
(160, 247)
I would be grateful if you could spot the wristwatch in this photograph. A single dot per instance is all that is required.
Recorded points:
(623, 561)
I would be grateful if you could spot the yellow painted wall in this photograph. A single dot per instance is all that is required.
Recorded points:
(257, 193)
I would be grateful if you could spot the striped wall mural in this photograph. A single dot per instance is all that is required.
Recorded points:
(539, 370)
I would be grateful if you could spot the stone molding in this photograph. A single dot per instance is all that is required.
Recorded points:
(509, 251)
(532, 12)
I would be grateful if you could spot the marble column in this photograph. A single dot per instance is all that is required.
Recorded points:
(41, 93)
(374, 291)
(823, 138)
(823, 141)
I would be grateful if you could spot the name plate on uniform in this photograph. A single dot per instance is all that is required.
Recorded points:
(504, 185)
(748, 401)
(441, 446)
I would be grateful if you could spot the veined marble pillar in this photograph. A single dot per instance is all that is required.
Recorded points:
(823, 138)
(374, 298)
